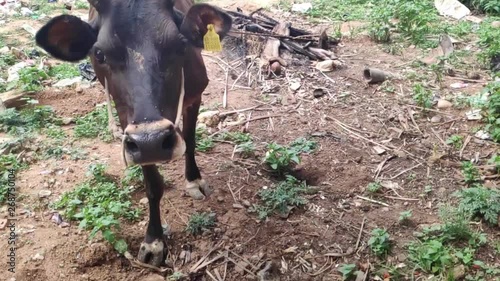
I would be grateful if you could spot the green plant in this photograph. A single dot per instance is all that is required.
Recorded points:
(488, 40)
(374, 187)
(303, 145)
(63, 71)
(280, 158)
(480, 201)
(492, 109)
(495, 160)
(471, 173)
(465, 255)
(99, 204)
(198, 222)
(28, 120)
(405, 216)
(246, 149)
(422, 96)
(30, 79)
(281, 197)
(486, 6)
(8, 162)
(94, 124)
(347, 271)
(133, 176)
(430, 256)
(204, 142)
(379, 242)
(456, 141)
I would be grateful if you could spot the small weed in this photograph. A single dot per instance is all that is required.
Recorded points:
(281, 197)
(480, 201)
(405, 216)
(379, 242)
(374, 187)
(63, 71)
(281, 158)
(235, 137)
(422, 96)
(28, 120)
(204, 143)
(347, 271)
(7, 162)
(246, 149)
(303, 145)
(93, 125)
(492, 109)
(198, 222)
(456, 141)
(30, 79)
(84, 5)
(133, 176)
(99, 205)
(495, 160)
(471, 173)
(430, 256)
(465, 255)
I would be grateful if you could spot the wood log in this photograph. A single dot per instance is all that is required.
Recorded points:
(271, 52)
(14, 98)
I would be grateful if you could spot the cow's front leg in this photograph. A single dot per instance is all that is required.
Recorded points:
(196, 187)
(153, 248)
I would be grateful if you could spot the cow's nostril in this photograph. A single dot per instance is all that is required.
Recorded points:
(131, 146)
(168, 141)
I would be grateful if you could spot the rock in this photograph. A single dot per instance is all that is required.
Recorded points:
(443, 104)
(495, 24)
(294, 86)
(436, 119)
(144, 201)
(379, 150)
(318, 93)
(44, 193)
(68, 82)
(451, 8)
(209, 118)
(327, 65)
(26, 12)
(459, 272)
(68, 120)
(220, 199)
(4, 50)
(37, 257)
(238, 206)
(3, 223)
(246, 203)
(79, 89)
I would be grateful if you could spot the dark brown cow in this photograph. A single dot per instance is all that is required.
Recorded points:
(147, 55)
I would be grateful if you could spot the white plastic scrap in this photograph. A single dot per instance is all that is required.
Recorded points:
(451, 8)
(302, 7)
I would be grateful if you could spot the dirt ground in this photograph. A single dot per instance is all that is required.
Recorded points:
(347, 122)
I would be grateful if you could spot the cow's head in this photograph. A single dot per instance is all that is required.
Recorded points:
(139, 47)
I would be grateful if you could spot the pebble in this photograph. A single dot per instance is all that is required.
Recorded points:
(38, 257)
(238, 206)
(246, 203)
(459, 272)
(79, 89)
(44, 193)
(220, 199)
(443, 104)
(4, 50)
(495, 24)
(318, 93)
(436, 119)
(144, 201)
(294, 86)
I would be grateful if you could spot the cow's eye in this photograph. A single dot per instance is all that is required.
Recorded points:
(99, 55)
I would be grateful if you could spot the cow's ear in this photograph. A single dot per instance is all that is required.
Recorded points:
(67, 38)
(194, 25)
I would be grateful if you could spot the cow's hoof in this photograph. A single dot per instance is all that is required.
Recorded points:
(198, 189)
(152, 253)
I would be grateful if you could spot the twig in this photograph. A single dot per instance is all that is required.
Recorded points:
(404, 171)
(373, 201)
(401, 198)
(439, 138)
(343, 126)
(413, 121)
(177, 211)
(431, 110)
(210, 274)
(231, 190)
(224, 97)
(253, 119)
(466, 142)
(243, 268)
(195, 268)
(380, 166)
(326, 76)
(360, 233)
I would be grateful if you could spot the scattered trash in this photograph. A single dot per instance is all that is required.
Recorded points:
(29, 29)
(443, 104)
(482, 135)
(328, 65)
(474, 19)
(4, 50)
(302, 7)
(294, 86)
(51, 1)
(13, 74)
(68, 82)
(459, 85)
(474, 114)
(374, 75)
(26, 12)
(33, 54)
(379, 150)
(451, 8)
(87, 71)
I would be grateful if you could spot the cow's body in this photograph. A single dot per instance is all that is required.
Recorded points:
(142, 51)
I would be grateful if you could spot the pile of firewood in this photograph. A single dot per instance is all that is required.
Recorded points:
(281, 35)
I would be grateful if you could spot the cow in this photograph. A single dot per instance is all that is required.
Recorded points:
(147, 56)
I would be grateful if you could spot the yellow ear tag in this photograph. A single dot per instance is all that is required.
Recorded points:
(211, 40)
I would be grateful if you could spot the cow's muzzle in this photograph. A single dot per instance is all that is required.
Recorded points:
(151, 143)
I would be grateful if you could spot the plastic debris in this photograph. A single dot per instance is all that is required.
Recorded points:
(474, 114)
(459, 85)
(86, 71)
(451, 8)
(67, 82)
(482, 135)
(302, 7)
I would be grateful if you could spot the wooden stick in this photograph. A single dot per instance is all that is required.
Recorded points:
(373, 201)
